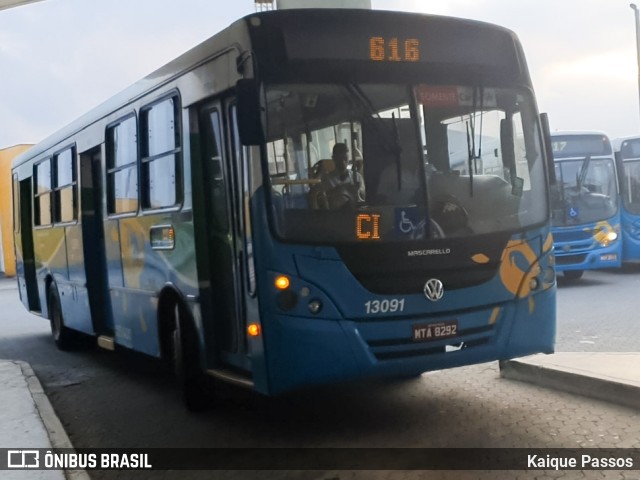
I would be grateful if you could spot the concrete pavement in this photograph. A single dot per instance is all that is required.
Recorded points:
(27, 419)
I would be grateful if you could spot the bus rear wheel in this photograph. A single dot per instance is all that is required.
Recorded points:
(64, 338)
(186, 362)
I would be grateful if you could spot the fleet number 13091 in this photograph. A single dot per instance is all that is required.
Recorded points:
(384, 306)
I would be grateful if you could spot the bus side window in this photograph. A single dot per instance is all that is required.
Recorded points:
(122, 167)
(42, 193)
(65, 203)
(161, 146)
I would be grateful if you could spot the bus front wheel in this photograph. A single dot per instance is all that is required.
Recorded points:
(63, 337)
(186, 361)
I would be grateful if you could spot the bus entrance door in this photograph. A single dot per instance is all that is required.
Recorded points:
(95, 264)
(224, 234)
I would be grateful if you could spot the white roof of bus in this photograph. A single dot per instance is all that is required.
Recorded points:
(579, 132)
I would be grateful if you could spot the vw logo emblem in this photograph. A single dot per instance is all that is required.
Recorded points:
(433, 289)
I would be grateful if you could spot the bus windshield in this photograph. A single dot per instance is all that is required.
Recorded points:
(396, 162)
(586, 190)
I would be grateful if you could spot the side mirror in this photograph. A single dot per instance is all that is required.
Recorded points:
(548, 149)
(250, 112)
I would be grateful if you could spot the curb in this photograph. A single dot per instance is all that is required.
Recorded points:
(57, 435)
(620, 393)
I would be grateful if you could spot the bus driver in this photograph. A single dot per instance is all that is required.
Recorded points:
(342, 184)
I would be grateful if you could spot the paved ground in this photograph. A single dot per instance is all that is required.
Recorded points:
(469, 407)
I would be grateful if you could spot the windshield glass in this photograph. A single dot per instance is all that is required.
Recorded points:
(586, 190)
(392, 162)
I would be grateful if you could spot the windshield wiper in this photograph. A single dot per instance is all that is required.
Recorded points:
(471, 135)
(582, 176)
(397, 150)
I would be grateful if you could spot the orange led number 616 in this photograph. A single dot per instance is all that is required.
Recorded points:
(394, 49)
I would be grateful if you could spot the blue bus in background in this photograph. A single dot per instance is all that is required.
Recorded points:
(627, 152)
(585, 203)
(203, 216)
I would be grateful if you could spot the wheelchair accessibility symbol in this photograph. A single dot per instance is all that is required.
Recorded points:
(409, 222)
(573, 212)
(406, 225)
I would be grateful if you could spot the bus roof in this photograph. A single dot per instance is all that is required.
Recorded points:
(578, 132)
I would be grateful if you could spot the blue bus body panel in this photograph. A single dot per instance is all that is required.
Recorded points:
(501, 318)
(308, 351)
(578, 247)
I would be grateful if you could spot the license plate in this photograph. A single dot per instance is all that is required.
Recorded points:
(435, 331)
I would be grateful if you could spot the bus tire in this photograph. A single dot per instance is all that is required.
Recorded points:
(573, 274)
(64, 338)
(186, 361)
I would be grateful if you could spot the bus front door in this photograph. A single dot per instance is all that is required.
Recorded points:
(224, 233)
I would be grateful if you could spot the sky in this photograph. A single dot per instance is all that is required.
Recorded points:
(60, 58)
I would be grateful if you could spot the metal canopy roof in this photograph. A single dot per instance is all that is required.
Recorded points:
(4, 4)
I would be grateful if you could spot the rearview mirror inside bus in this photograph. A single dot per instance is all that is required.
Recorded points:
(250, 112)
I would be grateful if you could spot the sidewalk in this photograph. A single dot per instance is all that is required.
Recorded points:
(612, 377)
(27, 420)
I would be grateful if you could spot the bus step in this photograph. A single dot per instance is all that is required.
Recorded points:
(231, 377)
(106, 342)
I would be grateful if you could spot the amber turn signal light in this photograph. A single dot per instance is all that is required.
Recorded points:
(282, 282)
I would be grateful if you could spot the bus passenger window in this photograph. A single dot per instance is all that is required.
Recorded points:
(43, 193)
(122, 167)
(65, 188)
(160, 153)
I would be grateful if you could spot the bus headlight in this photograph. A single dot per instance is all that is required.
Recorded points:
(609, 238)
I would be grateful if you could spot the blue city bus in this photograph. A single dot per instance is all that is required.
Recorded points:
(585, 204)
(627, 151)
(191, 217)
